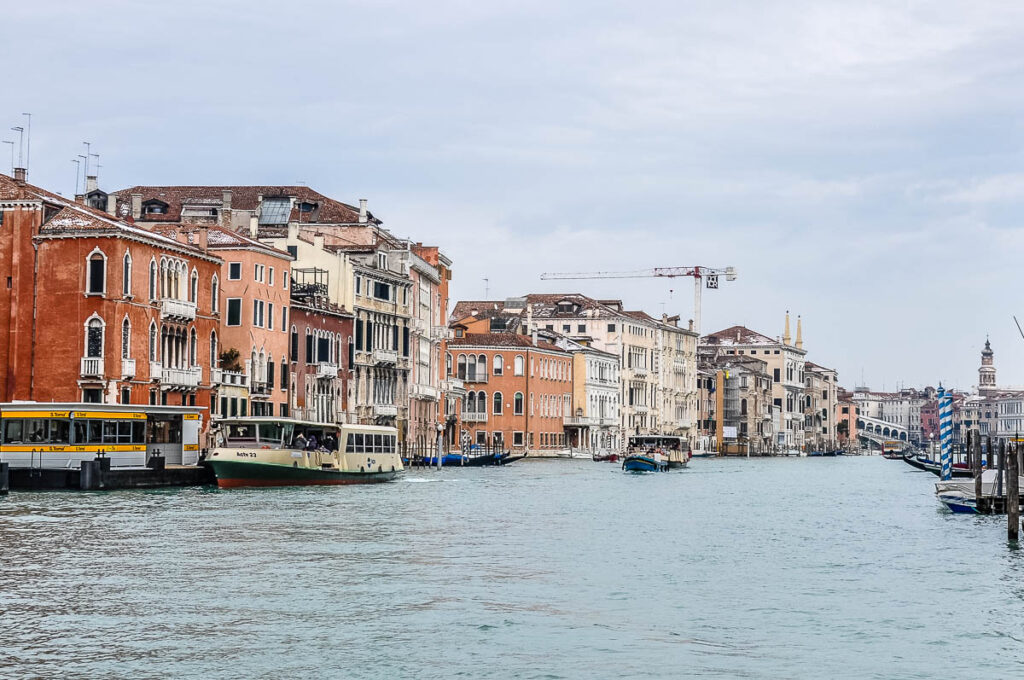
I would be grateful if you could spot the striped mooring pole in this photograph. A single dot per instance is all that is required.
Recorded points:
(946, 432)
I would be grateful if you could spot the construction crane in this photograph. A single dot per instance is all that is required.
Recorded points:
(708, 274)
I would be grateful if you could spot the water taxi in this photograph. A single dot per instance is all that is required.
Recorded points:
(268, 451)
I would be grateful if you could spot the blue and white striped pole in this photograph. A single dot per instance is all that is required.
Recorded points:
(946, 432)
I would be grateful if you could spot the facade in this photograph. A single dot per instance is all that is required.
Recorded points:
(251, 351)
(128, 313)
(821, 397)
(518, 391)
(319, 360)
(593, 420)
(785, 363)
(846, 418)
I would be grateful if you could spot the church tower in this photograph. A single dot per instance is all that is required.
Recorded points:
(987, 372)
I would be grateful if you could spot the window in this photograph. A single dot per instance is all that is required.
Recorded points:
(581, 328)
(234, 312)
(611, 328)
(566, 328)
(193, 349)
(284, 319)
(382, 261)
(275, 210)
(497, 403)
(294, 349)
(193, 287)
(461, 367)
(517, 439)
(381, 291)
(517, 404)
(234, 271)
(94, 337)
(284, 373)
(498, 364)
(126, 275)
(97, 273)
(126, 338)
(257, 313)
(309, 348)
(359, 285)
(213, 350)
(152, 341)
(270, 316)
(152, 279)
(777, 374)
(518, 365)
(270, 276)
(126, 395)
(214, 294)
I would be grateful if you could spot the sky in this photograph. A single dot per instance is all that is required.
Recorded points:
(859, 162)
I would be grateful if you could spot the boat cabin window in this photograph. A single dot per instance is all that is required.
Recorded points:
(84, 431)
(36, 431)
(370, 443)
(275, 433)
(240, 433)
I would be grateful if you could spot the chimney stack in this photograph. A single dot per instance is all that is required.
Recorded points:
(136, 206)
(362, 211)
(91, 184)
(203, 238)
(19, 176)
(112, 204)
(225, 199)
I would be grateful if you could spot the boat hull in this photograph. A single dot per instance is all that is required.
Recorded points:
(234, 474)
(959, 503)
(644, 464)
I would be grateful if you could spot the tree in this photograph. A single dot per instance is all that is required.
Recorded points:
(229, 360)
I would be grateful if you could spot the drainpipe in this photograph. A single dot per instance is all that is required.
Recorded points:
(35, 296)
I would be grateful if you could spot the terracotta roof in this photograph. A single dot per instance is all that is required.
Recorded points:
(738, 335)
(327, 211)
(501, 340)
(219, 238)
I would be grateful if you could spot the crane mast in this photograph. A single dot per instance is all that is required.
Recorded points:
(708, 274)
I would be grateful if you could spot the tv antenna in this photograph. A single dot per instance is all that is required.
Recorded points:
(78, 171)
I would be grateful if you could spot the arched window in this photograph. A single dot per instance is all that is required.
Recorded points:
(470, 404)
(471, 367)
(497, 403)
(284, 372)
(518, 366)
(94, 337)
(193, 349)
(126, 275)
(481, 365)
(294, 348)
(481, 402)
(743, 407)
(214, 357)
(97, 273)
(517, 404)
(152, 279)
(215, 294)
(447, 363)
(253, 367)
(499, 364)
(126, 338)
(461, 374)
(193, 287)
(152, 341)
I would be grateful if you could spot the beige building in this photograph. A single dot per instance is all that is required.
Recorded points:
(821, 399)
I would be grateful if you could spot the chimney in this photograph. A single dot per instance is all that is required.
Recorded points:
(362, 211)
(225, 199)
(799, 333)
(203, 240)
(19, 176)
(293, 231)
(112, 204)
(691, 324)
(785, 334)
(254, 227)
(318, 241)
(136, 206)
(91, 184)
(80, 198)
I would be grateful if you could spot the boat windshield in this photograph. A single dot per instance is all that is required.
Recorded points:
(274, 434)
(240, 433)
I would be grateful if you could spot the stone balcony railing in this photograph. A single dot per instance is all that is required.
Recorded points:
(478, 377)
(579, 421)
(385, 410)
(417, 391)
(453, 386)
(439, 332)
(223, 377)
(608, 422)
(127, 367)
(177, 310)
(92, 367)
(474, 417)
(326, 369)
(180, 377)
(385, 356)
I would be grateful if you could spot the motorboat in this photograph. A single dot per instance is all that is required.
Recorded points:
(646, 462)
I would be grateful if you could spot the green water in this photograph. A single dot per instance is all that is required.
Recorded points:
(780, 568)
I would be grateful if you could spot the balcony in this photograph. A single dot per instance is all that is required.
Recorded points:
(579, 421)
(385, 356)
(438, 332)
(385, 410)
(453, 386)
(417, 391)
(177, 310)
(92, 367)
(258, 388)
(127, 368)
(326, 370)
(608, 422)
(237, 378)
(420, 326)
(180, 378)
(476, 377)
(474, 417)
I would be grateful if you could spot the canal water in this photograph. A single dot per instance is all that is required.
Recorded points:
(778, 568)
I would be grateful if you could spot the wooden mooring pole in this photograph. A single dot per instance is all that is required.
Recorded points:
(976, 466)
(1013, 494)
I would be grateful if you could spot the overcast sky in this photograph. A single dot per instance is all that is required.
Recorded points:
(858, 162)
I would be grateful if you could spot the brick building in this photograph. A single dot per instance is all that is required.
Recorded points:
(98, 309)
(518, 391)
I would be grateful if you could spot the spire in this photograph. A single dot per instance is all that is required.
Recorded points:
(785, 334)
(799, 333)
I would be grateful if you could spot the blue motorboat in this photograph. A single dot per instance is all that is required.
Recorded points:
(959, 502)
(653, 463)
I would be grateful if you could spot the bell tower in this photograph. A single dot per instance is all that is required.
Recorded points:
(987, 372)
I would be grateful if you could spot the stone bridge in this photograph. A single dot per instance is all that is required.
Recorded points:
(879, 431)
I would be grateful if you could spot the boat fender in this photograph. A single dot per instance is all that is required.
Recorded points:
(362, 469)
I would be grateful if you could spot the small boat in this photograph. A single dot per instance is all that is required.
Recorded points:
(959, 502)
(913, 462)
(267, 451)
(607, 457)
(653, 462)
(677, 459)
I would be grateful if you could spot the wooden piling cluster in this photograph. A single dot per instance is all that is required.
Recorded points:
(1006, 458)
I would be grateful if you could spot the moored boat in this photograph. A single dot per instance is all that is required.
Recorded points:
(267, 451)
(606, 457)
